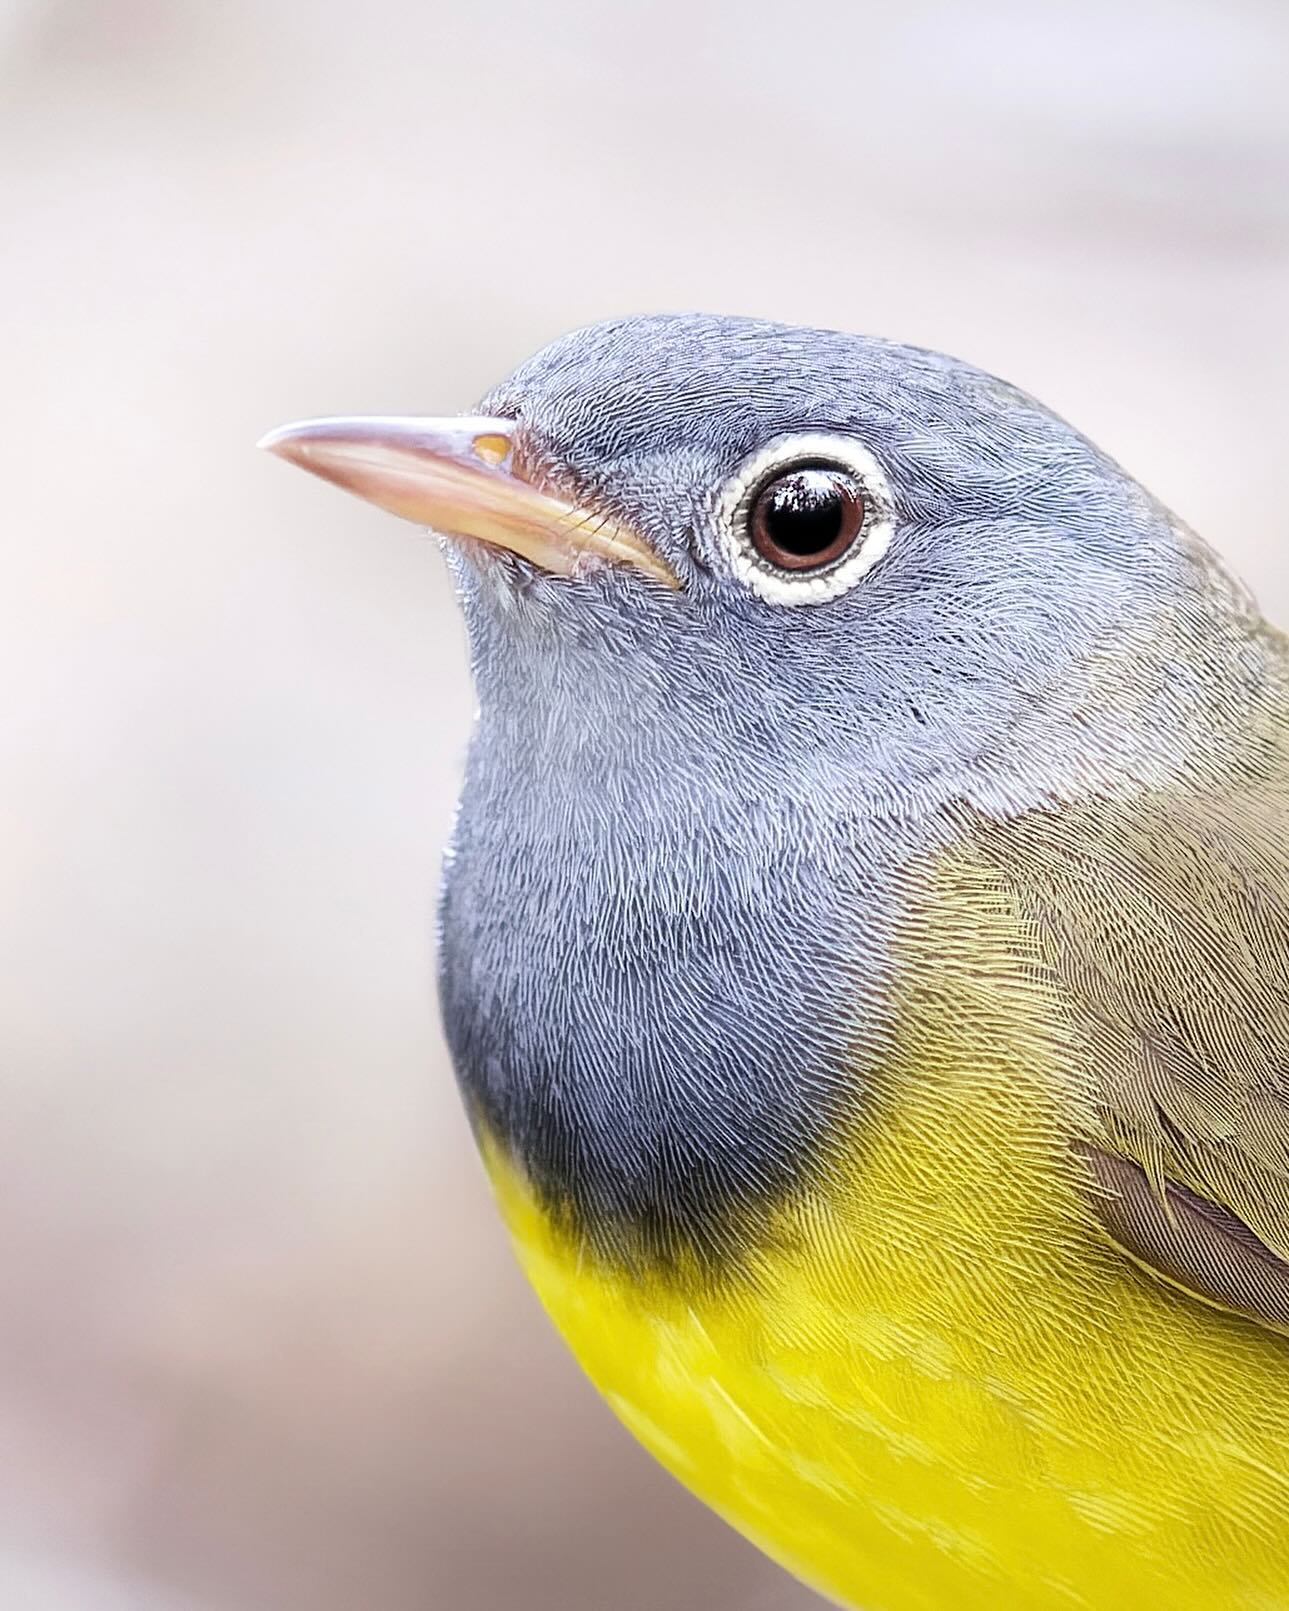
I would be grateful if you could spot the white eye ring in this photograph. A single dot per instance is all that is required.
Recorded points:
(829, 581)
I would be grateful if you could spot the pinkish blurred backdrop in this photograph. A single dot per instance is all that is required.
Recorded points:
(261, 1345)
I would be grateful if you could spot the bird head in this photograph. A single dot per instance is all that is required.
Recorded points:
(758, 616)
(820, 553)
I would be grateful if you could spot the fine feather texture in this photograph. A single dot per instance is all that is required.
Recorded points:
(1165, 924)
(852, 999)
(681, 849)
(1189, 1239)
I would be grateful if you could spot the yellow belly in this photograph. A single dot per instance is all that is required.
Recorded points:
(939, 1400)
(934, 1384)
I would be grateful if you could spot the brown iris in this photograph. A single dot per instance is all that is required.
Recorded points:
(806, 517)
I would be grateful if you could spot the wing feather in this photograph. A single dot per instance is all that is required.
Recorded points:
(1162, 925)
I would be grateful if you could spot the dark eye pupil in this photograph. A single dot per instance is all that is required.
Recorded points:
(807, 517)
(805, 511)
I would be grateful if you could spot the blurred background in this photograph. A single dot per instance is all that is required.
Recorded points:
(261, 1345)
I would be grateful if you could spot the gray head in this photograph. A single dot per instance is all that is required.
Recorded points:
(690, 811)
(1003, 549)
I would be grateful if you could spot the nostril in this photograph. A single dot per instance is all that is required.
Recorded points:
(492, 448)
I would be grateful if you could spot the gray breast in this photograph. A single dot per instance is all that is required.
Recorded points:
(660, 1025)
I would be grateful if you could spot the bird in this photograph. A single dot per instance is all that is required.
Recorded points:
(864, 955)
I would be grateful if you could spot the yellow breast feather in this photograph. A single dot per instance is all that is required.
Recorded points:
(936, 1382)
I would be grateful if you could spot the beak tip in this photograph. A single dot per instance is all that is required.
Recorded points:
(277, 441)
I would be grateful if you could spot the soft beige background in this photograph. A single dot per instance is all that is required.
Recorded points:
(260, 1343)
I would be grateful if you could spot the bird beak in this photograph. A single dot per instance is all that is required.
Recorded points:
(457, 476)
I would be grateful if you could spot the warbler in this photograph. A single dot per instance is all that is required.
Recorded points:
(865, 955)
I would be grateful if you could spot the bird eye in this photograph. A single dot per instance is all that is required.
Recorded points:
(806, 518)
